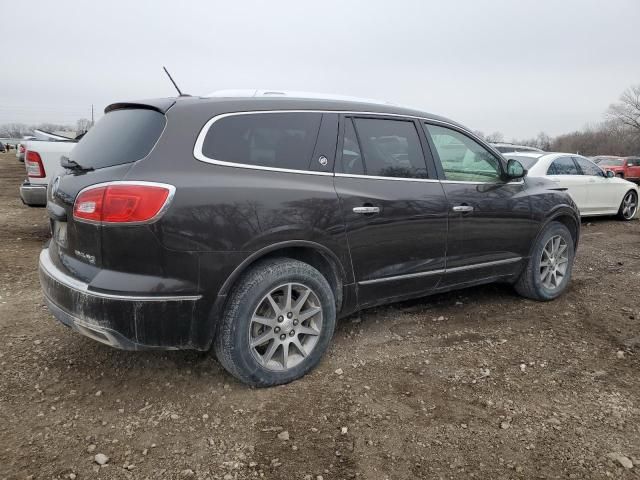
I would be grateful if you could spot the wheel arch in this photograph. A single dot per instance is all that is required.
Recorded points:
(567, 217)
(315, 254)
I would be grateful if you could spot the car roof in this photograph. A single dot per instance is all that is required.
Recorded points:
(280, 102)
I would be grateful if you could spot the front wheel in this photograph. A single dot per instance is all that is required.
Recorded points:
(277, 324)
(549, 269)
(629, 206)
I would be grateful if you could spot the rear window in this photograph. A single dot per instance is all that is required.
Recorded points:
(121, 136)
(275, 140)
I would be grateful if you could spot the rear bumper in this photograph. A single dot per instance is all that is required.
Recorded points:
(33, 195)
(128, 322)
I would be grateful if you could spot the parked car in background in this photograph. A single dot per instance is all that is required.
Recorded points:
(42, 162)
(595, 191)
(2, 148)
(20, 147)
(250, 224)
(599, 158)
(623, 167)
(511, 147)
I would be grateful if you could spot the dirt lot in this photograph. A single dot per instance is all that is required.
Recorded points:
(478, 383)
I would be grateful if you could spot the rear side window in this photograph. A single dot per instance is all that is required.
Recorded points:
(275, 140)
(588, 168)
(391, 148)
(563, 166)
(121, 136)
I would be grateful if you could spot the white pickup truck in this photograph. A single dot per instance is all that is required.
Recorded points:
(42, 161)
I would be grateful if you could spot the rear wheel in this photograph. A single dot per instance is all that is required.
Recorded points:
(629, 205)
(549, 269)
(277, 324)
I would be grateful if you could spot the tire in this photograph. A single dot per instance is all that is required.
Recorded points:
(620, 175)
(262, 364)
(533, 282)
(628, 206)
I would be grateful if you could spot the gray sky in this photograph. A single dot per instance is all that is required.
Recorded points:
(519, 67)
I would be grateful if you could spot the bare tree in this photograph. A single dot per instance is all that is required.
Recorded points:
(627, 110)
(83, 125)
(495, 137)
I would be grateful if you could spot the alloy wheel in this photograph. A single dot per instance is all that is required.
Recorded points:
(285, 326)
(554, 262)
(629, 205)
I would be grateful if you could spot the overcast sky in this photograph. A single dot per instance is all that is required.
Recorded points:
(518, 67)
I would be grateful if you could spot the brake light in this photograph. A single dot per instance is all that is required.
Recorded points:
(33, 162)
(122, 202)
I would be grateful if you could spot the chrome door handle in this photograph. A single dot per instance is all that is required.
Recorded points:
(463, 208)
(364, 210)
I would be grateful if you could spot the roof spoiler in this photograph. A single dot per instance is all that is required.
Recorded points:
(159, 105)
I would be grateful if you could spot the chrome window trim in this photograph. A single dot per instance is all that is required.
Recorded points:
(512, 182)
(73, 283)
(156, 217)
(199, 155)
(374, 177)
(445, 271)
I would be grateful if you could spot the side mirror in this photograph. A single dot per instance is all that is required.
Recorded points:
(610, 174)
(515, 169)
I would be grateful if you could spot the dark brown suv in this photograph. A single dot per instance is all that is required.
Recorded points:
(248, 225)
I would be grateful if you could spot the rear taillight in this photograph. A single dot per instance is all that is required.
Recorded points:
(35, 169)
(122, 202)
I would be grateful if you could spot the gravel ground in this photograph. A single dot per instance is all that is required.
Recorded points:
(474, 384)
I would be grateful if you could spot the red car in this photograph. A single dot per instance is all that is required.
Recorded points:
(624, 167)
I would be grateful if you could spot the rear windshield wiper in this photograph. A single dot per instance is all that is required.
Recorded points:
(66, 162)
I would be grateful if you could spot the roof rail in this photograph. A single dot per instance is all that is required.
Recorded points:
(234, 93)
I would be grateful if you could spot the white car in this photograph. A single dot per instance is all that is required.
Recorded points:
(595, 191)
(512, 147)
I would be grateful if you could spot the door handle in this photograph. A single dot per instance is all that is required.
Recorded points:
(463, 208)
(366, 210)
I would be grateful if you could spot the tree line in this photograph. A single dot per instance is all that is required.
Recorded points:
(19, 130)
(617, 134)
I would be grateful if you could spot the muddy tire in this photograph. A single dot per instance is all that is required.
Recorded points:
(549, 269)
(277, 323)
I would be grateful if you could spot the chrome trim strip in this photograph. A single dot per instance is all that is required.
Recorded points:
(197, 148)
(161, 212)
(373, 177)
(445, 270)
(401, 277)
(513, 182)
(73, 283)
(484, 264)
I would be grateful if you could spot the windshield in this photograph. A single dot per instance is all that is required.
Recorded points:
(611, 162)
(121, 136)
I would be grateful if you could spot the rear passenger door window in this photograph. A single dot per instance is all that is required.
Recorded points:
(463, 159)
(563, 166)
(269, 140)
(389, 148)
